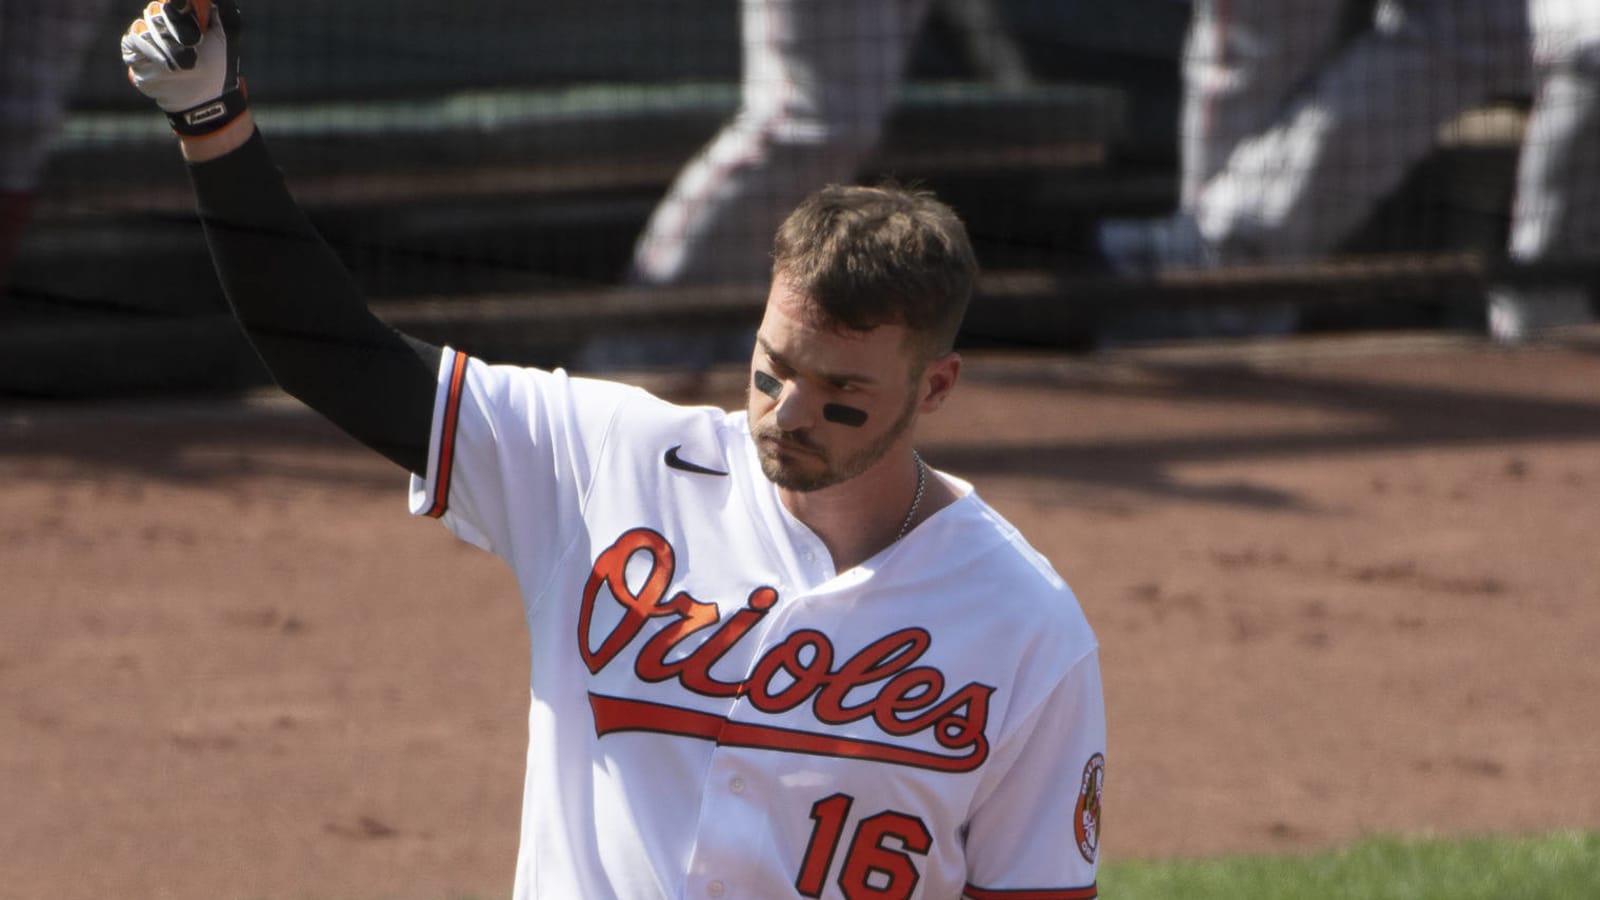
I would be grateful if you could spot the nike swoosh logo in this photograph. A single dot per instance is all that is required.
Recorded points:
(674, 462)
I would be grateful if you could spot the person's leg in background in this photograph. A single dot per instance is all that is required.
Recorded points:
(819, 76)
(1556, 214)
(817, 80)
(987, 42)
(1243, 61)
(41, 51)
(1298, 189)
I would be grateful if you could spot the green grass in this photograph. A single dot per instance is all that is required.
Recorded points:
(1563, 865)
(1554, 866)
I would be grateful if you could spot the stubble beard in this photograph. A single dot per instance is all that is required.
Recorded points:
(792, 479)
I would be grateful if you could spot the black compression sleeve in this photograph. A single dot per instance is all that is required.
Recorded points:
(305, 315)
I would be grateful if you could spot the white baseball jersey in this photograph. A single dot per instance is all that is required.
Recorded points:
(717, 713)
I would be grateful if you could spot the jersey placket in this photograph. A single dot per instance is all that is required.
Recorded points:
(735, 811)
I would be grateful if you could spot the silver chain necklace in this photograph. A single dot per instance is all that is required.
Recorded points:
(916, 501)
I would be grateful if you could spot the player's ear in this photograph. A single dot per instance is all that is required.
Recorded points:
(938, 380)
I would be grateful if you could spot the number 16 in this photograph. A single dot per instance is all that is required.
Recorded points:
(867, 854)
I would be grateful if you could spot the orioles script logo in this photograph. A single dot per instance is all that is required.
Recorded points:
(799, 669)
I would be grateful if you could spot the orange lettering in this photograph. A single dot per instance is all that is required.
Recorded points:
(796, 669)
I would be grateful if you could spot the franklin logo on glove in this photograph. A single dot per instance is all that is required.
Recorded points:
(187, 60)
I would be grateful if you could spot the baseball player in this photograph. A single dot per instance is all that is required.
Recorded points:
(774, 653)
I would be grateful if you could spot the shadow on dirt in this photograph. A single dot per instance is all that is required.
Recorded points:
(1392, 418)
(209, 440)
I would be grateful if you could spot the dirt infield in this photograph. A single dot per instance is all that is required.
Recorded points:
(1340, 589)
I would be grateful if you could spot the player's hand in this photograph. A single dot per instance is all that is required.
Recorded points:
(193, 76)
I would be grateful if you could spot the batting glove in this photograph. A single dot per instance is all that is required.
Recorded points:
(193, 77)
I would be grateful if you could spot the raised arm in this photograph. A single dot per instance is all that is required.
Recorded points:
(297, 303)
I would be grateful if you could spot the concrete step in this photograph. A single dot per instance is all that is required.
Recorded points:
(100, 351)
(533, 142)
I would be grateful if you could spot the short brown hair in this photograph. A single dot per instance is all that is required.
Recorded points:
(871, 256)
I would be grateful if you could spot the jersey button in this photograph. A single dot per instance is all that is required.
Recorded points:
(715, 888)
(736, 785)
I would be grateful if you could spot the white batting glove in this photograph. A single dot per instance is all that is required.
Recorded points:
(193, 77)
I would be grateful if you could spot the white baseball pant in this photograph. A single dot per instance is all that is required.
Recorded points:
(1346, 122)
(1557, 210)
(818, 79)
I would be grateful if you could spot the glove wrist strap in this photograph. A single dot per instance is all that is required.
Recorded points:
(209, 116)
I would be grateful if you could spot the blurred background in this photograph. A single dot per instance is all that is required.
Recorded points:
(1152, 170)
(1317, 527)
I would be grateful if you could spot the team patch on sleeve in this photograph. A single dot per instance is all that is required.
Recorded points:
(1078, 893)
(1086, 817)
(447, 436)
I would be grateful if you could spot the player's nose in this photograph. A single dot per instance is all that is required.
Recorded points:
(795, 409)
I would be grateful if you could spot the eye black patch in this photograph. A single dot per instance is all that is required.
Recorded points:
(844, 415)
(768, 385)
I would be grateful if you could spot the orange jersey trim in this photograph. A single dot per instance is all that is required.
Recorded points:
(1078, 893)
(447, 437)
